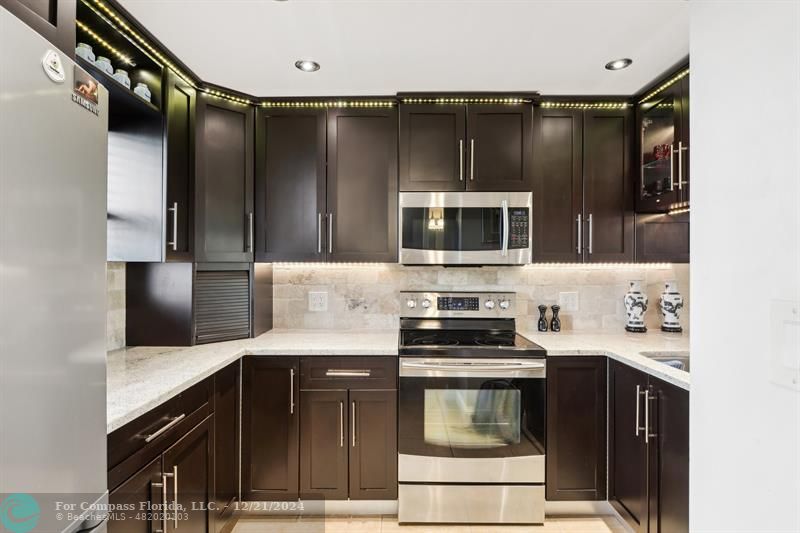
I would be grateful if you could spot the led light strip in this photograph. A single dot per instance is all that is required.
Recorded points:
(465, 101)
(585, 105)
(226, 96)
(677, 209)
(125, 59)
(664, 85)
(331, 103)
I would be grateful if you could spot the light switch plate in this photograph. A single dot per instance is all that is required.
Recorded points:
(568, 301)
(317, 301)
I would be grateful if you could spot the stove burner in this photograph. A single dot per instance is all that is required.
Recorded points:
(495, 339)
(433, 340)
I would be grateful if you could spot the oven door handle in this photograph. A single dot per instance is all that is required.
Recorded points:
(475, 366)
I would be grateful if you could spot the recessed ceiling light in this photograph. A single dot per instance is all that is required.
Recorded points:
(619, 64)
(306, 65)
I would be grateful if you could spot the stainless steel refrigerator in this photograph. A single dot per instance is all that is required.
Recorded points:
(53, 159)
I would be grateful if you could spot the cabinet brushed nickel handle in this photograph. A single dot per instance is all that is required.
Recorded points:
(163, 487)
(342, 373)
(638, 395)
(250, 232)
(341, 424)
(175, 492)
(591, 234)
(291, 391)
(174, 242)
(319, 233)
(472, 160)
(164, 516)
(672, 167)
(681, 149)
(646, 417)
(461, 160)
(579, 248)
(354, 424)
(166, 427)
(330, 233)
(506, 229)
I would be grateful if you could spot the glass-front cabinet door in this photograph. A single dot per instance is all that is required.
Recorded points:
(659, 121)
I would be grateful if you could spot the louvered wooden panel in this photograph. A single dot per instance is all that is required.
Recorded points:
(221, 305)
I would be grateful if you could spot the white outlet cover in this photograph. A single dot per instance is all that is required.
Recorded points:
(317, 301)
(568, 301)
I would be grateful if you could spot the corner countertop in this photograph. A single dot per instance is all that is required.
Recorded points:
(141, 378)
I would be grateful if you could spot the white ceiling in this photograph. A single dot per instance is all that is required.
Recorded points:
(380, 47)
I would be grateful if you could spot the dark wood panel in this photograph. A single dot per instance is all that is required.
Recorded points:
(373, 445)
(290, 184)
(52, 19)
(432, 147)
(627, 450)
(685, 139)
(141, 491)
(270, 428)
(557, 185)
(224, 184)
(158, 304)
(341, 372)
(262, 298)
(179, 158)
(500, 147)
(362, 185)
(190, 461)
(662, 238)
(576, 428)
(226, 443)
(323, 445)
(608, 195)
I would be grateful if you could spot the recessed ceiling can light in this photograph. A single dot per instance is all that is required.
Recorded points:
(619, 64)
(307, 66)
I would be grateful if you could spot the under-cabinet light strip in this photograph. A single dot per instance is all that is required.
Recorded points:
(676, 77)
(586, 105)
(331, 103)
(125, 59)
(510, 101)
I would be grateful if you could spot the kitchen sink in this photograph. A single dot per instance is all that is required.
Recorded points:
(679, 360)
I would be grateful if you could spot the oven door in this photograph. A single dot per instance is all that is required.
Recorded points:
(465, 228)
(472, 420)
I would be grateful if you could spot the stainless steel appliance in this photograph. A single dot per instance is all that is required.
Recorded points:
(471, 413)
(52, 286)
(465, 228)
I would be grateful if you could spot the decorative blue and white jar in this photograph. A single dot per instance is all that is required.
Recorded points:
(635, 307)
(104, 64)
(670, 305)
(85, 51)
(122, 76)
(142, 90)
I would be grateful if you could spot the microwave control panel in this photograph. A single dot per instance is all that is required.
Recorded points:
(519, 222)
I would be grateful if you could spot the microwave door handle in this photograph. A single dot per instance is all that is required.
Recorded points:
(504, 207)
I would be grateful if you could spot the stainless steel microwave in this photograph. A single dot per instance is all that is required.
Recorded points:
(465, 228)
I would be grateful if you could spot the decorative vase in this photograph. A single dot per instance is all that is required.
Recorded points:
(542, 324)
(635, 307)
(122, 76)
(555, 323)
(104, 64)
(142, 90)
(670, 305)
(85, 51)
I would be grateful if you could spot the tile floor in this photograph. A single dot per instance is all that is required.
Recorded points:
(388, 524)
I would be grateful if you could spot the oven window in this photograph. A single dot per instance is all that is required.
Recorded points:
(452, 228)
(485, 418)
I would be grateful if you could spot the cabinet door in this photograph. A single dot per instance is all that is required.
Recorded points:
(668, 458)
(52, 19)
(659, 124)
(189, 465)
(576, 428)
(373, 444)
(144, 490)
(662, 238)
(290, 185)
(180, 103)
(557, 185)
(362, 185)
(226, 442)
(684, 181)
(628, 453)
(270, 428)
(224, 199)
(323, 444)
(608, 199)
(432, 147)
(500, 147)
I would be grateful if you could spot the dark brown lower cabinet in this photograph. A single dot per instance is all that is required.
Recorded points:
(142, 493)
(323, 444)
(576, 428)
(270, 428)
(226, 444)
(373, 444)
(649, 451)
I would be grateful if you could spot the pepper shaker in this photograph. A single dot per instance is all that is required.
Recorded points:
(542, 325)
(555, 323)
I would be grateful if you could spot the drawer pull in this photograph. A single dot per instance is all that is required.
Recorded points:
(342, 373)
(167, 427)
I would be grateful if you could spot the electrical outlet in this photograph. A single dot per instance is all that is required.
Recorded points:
(317, 301)
(568, 301)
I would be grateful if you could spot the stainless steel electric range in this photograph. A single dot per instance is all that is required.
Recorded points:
(471, 413)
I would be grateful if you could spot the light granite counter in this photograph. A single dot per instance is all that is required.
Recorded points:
(624, 347)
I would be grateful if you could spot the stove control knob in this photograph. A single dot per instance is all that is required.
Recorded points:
(489, 304)
(504, 304)
(411, 304)
(426, 303)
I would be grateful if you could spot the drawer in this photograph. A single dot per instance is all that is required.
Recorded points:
(342, 372)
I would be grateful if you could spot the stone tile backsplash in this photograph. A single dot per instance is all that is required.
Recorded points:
(366, 296)
(115, 305)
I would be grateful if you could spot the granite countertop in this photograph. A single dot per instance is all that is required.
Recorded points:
(142, 378)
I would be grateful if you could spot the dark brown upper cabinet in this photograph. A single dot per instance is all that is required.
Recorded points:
(476, 147)
(663, 148)
(52, 19)
(326, 185)
(180, 101)
(661, 237)
(576, 428)
(290, 184)
(224, 225)
(270, 428)
(583, 202)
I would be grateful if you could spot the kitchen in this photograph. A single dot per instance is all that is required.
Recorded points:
(378, 283)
